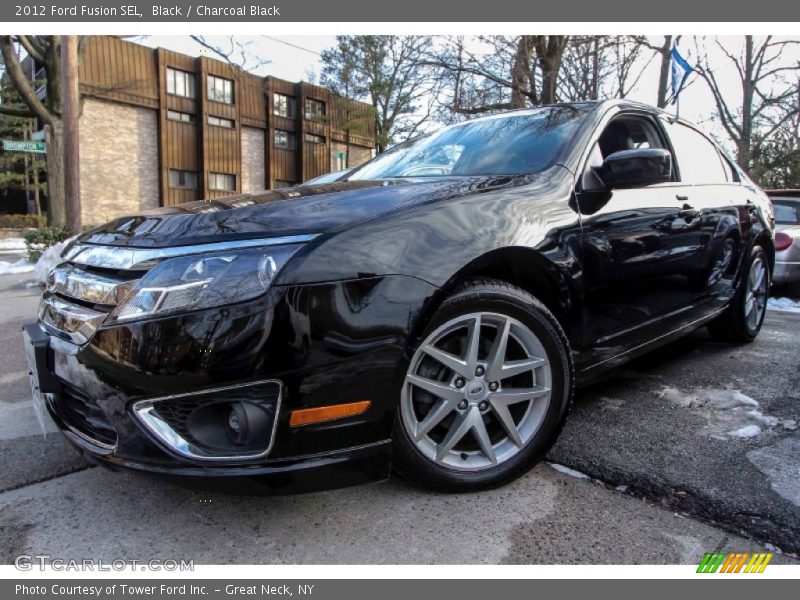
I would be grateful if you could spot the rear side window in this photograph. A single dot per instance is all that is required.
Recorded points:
(786, 211)
(698, 159)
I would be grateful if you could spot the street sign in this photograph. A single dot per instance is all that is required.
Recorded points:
(38, 136)
(18, 146)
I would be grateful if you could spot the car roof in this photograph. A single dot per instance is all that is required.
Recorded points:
(599, 105)
(789, 194)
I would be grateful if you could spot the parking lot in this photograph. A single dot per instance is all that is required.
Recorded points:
(686, 450)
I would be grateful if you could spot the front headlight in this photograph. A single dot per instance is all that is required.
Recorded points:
(203, 281)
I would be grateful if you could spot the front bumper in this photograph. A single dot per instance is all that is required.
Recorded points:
(325, 344)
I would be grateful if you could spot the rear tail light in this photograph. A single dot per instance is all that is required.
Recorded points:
(782, 241)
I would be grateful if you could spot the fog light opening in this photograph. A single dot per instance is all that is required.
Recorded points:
(237, 427)
(229, 423)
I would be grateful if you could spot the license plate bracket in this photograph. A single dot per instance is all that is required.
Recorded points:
(41, 381)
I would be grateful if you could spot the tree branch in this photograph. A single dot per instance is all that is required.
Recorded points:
(16, 112)
(32, 50)
(21, 83)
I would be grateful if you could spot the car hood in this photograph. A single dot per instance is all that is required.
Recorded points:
(314, 209)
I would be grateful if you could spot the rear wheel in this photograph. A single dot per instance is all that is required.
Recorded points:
(743, 318)
(486, 390)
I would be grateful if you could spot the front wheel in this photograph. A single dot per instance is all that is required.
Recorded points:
(486, 391)
(742, 320)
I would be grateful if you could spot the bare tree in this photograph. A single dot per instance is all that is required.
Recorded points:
(343, 75)
(46, 51)
(764, 103)
(234, 51)
(390, 73)
(585, 66)
(513, 72)
(549, 52)
(664, 53)
(475, 83)
(628, 64)
(70, 117)
(776, 158)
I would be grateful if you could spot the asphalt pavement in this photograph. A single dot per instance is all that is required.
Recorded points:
(690, 449)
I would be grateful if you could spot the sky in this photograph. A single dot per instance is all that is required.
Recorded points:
(297, 58)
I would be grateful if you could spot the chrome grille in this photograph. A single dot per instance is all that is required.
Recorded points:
(93, 288)
(79, 298)
(73, 321)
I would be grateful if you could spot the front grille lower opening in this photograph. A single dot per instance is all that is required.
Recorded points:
(83, 415)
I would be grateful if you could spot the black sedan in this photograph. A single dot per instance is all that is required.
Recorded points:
(432, 312)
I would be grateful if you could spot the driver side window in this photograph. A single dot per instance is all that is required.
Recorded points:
(623, 133)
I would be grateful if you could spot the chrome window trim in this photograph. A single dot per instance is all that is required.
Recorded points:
(115, 257)
(146, 416)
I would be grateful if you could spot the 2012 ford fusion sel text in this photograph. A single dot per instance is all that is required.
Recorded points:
(431, 311)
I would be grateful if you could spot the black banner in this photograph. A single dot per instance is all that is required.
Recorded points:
(419, 589)
(133, 11)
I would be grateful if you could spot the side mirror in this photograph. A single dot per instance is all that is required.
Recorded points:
(636, 168)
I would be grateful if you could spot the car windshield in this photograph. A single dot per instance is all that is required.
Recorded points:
(511, 144)
(787, 211)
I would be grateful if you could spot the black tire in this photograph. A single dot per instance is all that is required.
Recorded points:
(732, 325)
(493, 296)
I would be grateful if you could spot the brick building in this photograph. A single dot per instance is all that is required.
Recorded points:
(159, 128)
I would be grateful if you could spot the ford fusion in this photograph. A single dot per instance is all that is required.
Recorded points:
(430, 312)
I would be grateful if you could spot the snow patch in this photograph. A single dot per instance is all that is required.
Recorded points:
(783, 305)
(728, 399)
(611, 403)
(748, 431)
(49, 260)
(12, 245)
(728, 413)
(20, 266)
(568, 471)
(772, 548)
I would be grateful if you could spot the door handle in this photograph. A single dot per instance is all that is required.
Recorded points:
(681, 197)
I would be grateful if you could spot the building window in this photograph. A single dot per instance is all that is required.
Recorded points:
(313, 138)
(182, 179)
(279, 184)
(284, 139)
(283, 106)
(219, 89)
(222, 181)
(180, 83)
(220, 122)
(315, 109)
(174, 115)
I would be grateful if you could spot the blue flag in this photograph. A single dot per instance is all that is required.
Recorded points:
(680, 72)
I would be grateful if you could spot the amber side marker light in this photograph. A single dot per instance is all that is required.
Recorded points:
(321, 414)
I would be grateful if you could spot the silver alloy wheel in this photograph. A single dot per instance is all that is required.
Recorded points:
(476, 391)
(755, 299)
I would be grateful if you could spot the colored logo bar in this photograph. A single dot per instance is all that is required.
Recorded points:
(735, 562)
